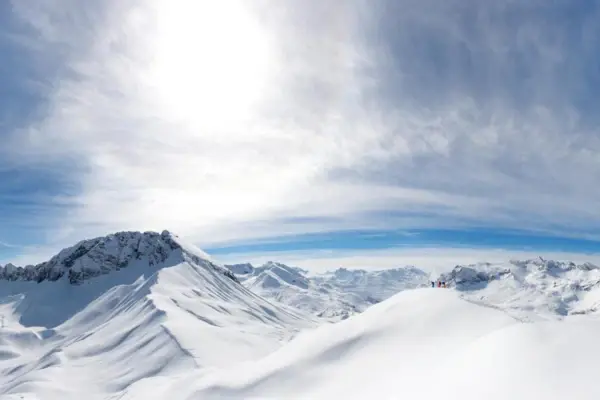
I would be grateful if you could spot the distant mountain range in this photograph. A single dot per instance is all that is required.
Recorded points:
(337, 294)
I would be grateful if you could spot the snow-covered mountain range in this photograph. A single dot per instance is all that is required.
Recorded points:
(534, 288)
(148, 316)
(336, 295)
(531, 289)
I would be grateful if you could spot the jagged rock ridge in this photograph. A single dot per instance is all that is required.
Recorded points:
(101, 255)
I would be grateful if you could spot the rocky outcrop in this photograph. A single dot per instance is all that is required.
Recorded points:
(101, 255)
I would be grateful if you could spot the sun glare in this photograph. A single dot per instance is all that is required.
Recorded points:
(211, 61)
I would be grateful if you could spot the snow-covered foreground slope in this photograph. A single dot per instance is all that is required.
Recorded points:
(167, 309)
(333, 295)
(419, 344)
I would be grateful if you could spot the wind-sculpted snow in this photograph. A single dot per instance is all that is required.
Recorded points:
(421, 344)
(531, 289)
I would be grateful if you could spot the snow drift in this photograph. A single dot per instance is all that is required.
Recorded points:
(419, 344)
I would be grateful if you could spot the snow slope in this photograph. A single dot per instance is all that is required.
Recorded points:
(419, 344)
(334, 295)
(166, 309)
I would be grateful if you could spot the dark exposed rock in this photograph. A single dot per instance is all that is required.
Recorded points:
(93, 257)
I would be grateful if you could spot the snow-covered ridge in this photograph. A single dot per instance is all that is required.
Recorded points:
(464, 277)
(532, 287)
(420, 344)
(93, 257)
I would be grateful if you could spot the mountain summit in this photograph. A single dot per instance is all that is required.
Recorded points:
(102, 315)
(93, 257)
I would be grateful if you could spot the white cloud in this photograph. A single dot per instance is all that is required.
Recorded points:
(8, 245)
(221, 120)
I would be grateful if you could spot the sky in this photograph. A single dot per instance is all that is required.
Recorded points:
(254, 128)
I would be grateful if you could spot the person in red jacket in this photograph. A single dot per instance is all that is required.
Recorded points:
(439, 283)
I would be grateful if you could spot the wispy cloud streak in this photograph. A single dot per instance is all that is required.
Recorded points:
(245, 120)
